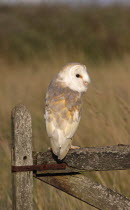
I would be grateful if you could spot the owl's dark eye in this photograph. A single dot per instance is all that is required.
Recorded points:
(77, 75)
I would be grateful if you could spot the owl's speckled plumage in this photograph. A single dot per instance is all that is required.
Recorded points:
(63, 106)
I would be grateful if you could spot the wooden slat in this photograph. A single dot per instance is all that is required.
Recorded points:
(89, 191)
(90, 159)
(22, 182)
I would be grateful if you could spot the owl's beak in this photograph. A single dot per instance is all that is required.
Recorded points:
(85, 83)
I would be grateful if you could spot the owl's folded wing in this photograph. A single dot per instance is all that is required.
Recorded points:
(59, 117)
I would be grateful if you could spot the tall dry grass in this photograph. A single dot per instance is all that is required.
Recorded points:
(99, 32)
(105, 120)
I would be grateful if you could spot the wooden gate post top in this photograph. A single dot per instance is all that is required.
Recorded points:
(21, 136)
(21, 156)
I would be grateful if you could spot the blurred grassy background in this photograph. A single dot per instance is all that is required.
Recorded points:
(35, 42)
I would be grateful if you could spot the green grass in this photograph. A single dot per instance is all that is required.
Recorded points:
(35, 42)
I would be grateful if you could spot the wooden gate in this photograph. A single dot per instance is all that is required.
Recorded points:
(65, 175)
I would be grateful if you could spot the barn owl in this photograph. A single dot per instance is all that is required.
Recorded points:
(63, 106)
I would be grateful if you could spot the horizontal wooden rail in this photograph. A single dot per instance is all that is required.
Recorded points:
(89, 191)
(91, 159)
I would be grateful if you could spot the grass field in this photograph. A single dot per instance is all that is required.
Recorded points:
(106, 110)
(105, 121)
(30, 31)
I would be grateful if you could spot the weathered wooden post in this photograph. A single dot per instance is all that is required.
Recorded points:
(22, 182)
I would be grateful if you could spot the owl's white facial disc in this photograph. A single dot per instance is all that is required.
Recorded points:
(75, 77)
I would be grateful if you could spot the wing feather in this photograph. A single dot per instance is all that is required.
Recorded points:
(58, 116)
(62, 121)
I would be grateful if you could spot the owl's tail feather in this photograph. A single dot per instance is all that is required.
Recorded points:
(64, 149)
(60, 145)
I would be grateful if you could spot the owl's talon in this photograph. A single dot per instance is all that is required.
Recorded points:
(74, 147)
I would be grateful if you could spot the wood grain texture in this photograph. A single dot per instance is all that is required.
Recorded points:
(89, 191)
(90, 159)
(22, 182)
